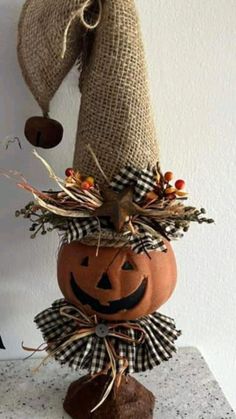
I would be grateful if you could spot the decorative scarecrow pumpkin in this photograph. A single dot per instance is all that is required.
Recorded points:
(116, 211)
(117, 284)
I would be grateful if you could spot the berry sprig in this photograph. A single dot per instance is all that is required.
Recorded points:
(83, 182)
(176, 191)
(37, 218)
(162, 207)
(41, 220)
(166, 190)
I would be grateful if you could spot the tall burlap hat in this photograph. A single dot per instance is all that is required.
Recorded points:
(115, 113)
(115, 116)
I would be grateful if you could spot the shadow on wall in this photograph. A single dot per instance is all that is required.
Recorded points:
(1, 344)
(15, 102)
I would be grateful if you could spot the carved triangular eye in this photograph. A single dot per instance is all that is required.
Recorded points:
(85, 261)
(127, 266)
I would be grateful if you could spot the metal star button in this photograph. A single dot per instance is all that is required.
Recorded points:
(118, 207)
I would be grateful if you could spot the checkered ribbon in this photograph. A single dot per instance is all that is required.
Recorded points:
(145, 242)
(143, 181)
(171, 231)
(87, 326)
(139, 243)
(77, 229)
(90, 353)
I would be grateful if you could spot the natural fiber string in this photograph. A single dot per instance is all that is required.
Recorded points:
(99, 237)
(96, 161)
(80, 13)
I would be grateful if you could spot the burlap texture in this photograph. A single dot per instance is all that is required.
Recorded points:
(105, 238)
(40, 42)
(115, 114)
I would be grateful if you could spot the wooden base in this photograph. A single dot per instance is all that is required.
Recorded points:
(131, 401)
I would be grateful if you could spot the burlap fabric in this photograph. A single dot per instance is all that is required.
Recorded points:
(40, 44)
(115, 114)
(106, 238)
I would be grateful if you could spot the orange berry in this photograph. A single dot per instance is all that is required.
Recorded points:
(168, 176)
(85, 185)
(90, 180)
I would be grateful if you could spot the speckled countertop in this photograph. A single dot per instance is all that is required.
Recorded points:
(184, 388)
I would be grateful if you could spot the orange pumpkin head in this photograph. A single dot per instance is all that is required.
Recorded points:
(117, 284)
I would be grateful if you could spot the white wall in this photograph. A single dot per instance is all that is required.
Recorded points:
(191, 51)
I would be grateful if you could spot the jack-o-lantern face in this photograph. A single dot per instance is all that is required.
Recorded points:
(117, 284)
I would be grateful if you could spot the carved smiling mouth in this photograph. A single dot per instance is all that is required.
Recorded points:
(113, 307)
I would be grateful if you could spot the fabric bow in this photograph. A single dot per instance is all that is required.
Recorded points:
(87, 326)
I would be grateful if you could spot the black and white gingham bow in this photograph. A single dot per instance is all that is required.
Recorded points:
(87, 327)
(90, 353)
